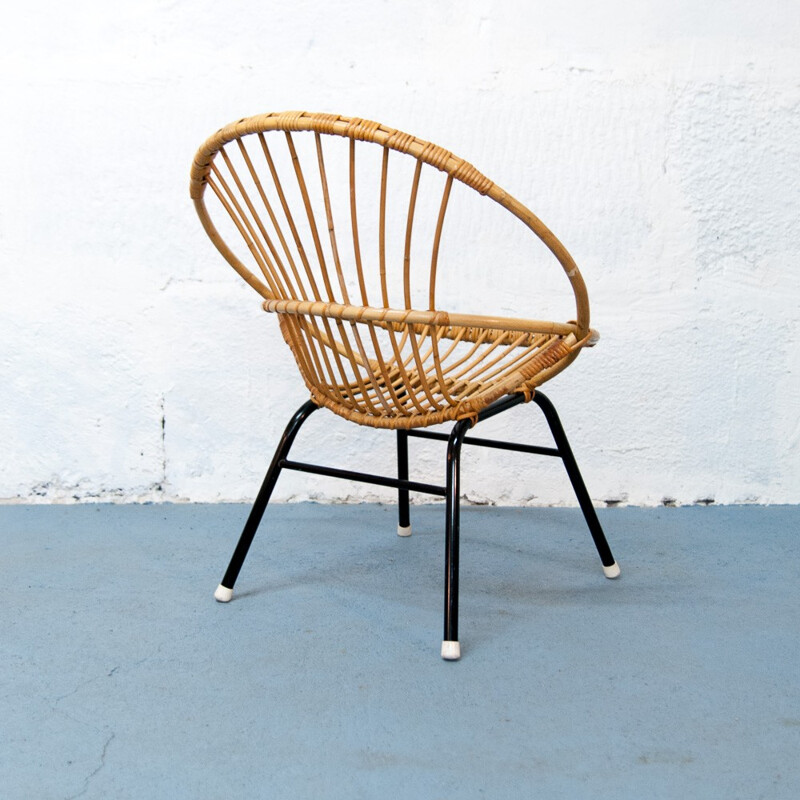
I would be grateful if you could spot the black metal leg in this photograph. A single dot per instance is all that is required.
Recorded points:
(451, 649)
(404, 515)
(610, 567)
(225, 589)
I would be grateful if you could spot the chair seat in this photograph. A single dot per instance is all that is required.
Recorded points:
(437, 373)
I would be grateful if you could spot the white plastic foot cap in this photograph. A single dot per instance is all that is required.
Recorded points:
(404, 530)
(223, 594)
(612, 571)
(451, 651)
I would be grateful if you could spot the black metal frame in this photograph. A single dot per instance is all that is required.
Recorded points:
(450, 491)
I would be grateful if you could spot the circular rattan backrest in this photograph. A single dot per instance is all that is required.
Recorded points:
(291, 255)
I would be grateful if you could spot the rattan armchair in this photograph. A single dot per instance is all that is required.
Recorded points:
(315, 241)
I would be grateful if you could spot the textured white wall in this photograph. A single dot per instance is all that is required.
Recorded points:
(660, 141)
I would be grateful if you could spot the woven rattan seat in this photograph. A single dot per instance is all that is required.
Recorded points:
(335, 256)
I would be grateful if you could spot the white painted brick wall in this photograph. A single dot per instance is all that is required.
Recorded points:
(661, 142)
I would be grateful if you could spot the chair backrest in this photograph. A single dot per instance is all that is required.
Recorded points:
(295, 230)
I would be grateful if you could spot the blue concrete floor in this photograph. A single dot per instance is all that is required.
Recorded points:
(120, 677)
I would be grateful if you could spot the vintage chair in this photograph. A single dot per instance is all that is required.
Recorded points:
(369, 338)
